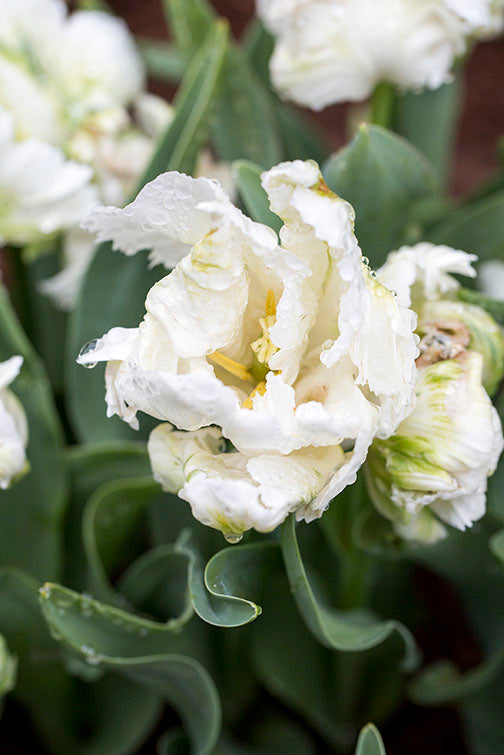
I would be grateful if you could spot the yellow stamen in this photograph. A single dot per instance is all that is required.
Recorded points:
(270, 303)
(260, 389)
(228, 364)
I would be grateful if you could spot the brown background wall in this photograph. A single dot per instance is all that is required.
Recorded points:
(483, 114)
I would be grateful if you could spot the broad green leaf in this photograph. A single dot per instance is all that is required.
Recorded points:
(139, 649)
(477, 227)
(259, 44)
(338, 630)
(247, 177)
(443, 683)
(220, 592)
(162, 60)
(114, 715)
(429, 121)
(301, 138)
(383, 177)
(245, 125)
(189, 21)
(47, 323)
(91, 466)
(156, 584)
(229, 578)
(370, 742)
(293, 666)
(33, 509)
(111, 528)
(194, 107)
(97, 310)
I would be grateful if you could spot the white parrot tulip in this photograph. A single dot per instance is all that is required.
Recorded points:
(435, 467)
(330, 51)
(296, 352)
(32, 205)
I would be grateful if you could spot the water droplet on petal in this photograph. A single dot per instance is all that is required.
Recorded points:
(233, 538)
(88, 348)
(373, 274)
(365, 260)
(394, 293)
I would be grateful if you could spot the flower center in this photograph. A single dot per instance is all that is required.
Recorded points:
(263, 349)
(442, 340)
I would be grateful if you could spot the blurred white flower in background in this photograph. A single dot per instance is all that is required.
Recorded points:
(484, 18)
(436, 466)
(296, 353)
(13, 426)
(491, 278)
(41, 191)
(76, 82)
(330, 51)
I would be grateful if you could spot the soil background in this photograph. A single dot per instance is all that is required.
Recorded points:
(483, 112)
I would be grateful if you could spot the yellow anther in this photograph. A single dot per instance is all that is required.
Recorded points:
(228, 364)
(270, 304)
(259, 389)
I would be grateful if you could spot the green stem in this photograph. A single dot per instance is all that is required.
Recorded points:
(382, 105)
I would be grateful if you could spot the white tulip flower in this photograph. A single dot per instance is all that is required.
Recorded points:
(296, 352)
(33, 205)
(330, 51)
(435, 467)
(13, 426)
(484, 18)
(441, 456)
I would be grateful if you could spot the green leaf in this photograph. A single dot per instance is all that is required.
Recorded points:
(156, 584)
(189, 20)
(114, 715)
(338, 630)
(91, 466)
(162, 61)
(139, 649)
(47, 323)
(370, 742)
(441, 682)
(194, 106)
(229, 576)
(300, 136)
(244, 126)
(477, 227)
(494, 307)
(293, 666)
(33, 509)
(97, 311)
(383, 177)
(429, 120)
(247, 177)
(112, 533)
